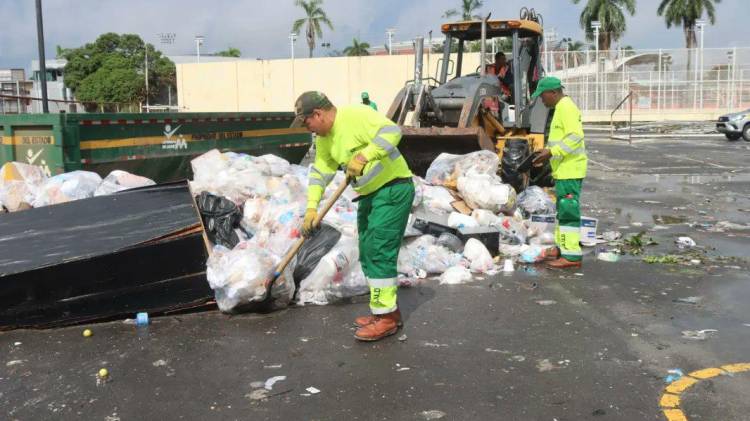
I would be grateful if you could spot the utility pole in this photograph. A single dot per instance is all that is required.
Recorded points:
(596, 25)
(701, 26)
(146, 74)
(198, 42)
(292, 40)
(42, 60)
(389, 33)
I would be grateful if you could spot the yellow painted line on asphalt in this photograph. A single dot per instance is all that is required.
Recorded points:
(670, 399)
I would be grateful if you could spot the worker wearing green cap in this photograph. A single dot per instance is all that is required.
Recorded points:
(366, 100)
(567, 152)
(366, 144)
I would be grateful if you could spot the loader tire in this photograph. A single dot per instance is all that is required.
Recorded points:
(515, 151)
(542, 176)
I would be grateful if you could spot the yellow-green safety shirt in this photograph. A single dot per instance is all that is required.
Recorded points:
(357, 129)
(565, 141)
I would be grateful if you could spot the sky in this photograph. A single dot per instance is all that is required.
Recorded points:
(260, 28)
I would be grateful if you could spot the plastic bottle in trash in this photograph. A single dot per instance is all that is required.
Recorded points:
(141, 319)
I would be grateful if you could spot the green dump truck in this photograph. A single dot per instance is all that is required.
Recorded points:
(156, 145)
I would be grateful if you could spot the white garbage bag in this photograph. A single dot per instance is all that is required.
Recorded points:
(119, 180)
(328, 280)
(437, 199)
(478, 255)
(19, 184)
(237, 276)
(484, 217)
(455, 275)
(535, 201)
(422, 253)
(65, 187)
(459, 220)
(447, 168)
(487, 191)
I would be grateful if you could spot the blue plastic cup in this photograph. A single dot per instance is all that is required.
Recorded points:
(141, 319)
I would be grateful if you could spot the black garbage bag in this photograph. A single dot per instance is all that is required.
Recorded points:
(515, 153)
(315, 247)
(220, 217)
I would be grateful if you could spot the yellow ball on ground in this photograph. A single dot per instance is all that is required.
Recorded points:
(103, 373)
(87, 333)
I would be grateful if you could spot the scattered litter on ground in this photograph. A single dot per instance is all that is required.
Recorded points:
(455, 275)
(612, 235)
(141, 319)
(273, 366)
(688, 300)
(433, 414)
(313, 390)
(87, 333)
(435, 345)
(268, 385)
(608, 257)
(545, 365)
(685, 242)
(518, 358)
(258, 395)
(495, 350)
(403, 338)
(13, 362)
(699, 335)
(159, 363)
(546, 302)
(17, 343)
(673, 375)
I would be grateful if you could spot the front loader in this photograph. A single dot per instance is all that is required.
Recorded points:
(470, 112)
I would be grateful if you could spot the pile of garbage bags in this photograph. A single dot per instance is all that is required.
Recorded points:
(24, 186)
(270, 195)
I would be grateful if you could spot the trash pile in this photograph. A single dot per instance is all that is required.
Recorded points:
(24, 186)
(252, 208)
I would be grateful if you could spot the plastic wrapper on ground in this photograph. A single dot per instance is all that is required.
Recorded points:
(487, 191)
(456, 275)
(422, 253)
(119, 180)
(535, 201)
(237, 277)
(512, 230)
(478, 255)
(65, 187)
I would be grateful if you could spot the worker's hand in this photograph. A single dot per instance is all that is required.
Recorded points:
(356, 166)
(543, 156)
(308, 224)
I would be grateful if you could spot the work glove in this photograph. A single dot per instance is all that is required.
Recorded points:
(308, 224)
(542, 156)
(356, 166)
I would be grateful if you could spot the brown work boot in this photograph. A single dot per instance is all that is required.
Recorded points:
(551, 253)
(563, 263)
(383, 325)
(366, 320)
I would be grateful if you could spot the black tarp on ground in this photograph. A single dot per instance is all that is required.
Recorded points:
(139, 250)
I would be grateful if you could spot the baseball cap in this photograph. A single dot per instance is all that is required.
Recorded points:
(548, 83)
(307, 102)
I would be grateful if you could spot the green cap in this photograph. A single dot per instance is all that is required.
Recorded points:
(309, 101)
(365, 95)
(549, 83)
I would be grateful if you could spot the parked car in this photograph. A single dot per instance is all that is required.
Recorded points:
(735, 125)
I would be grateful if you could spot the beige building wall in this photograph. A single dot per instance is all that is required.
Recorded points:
(273, 85)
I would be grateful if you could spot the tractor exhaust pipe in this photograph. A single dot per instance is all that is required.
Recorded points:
(483, 56)
(418, 60)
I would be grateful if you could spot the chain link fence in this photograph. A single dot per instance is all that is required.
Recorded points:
(665, 80)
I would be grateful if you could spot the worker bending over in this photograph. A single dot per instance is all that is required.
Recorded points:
(366, 143)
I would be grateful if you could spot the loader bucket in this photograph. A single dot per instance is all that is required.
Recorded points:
(420, 146)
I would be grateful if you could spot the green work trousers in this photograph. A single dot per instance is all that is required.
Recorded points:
(568, 228)
(381, 221)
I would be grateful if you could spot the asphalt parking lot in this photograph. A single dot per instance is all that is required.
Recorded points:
(595, 343)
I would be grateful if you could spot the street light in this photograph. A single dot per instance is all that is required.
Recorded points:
(389, 33)
(596, 26)
(701, 24)
(292, 40)
(198, 42)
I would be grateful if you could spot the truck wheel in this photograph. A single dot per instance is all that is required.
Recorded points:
(733, 136)
(746, 132)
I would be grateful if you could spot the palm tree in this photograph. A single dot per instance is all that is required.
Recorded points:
(468, 7)
(314, 16)
(685, 13)
(612, 17)
(357, 48)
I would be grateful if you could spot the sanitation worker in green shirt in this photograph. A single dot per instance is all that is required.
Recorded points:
(567, 154)
(365, 142)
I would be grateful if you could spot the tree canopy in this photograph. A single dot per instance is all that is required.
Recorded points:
(112, 68)
(230, 52)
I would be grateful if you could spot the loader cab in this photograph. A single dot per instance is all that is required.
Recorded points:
(457, 81)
